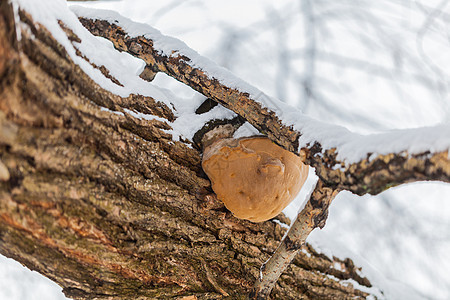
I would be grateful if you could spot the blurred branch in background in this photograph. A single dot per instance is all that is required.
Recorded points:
(307, 8)
(327, 46)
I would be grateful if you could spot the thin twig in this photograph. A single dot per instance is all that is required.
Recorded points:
(312, 216)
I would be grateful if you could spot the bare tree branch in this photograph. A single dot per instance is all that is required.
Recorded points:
(313, 215)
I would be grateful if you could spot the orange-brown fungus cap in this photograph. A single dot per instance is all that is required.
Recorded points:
(255, 178)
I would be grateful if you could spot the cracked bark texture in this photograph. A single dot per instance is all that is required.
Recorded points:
(108, 206)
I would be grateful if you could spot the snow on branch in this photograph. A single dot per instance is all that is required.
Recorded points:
(343, 160)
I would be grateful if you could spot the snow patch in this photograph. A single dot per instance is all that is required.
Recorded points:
(337, 266)
(245, 130)
(112, 111)
(280, 223)
(143, 116)
(385, 288)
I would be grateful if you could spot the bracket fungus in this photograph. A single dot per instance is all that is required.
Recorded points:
(255, 178)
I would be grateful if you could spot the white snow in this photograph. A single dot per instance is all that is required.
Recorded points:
(331, 245)
(112, 111)
(19, 283)
(355, 147)
(143, 116)
(187, 124)
(245, 130)
(280, 223)
(337, 266)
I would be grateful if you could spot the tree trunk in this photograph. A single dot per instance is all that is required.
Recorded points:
(109, 206)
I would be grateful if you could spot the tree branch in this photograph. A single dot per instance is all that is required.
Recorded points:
(313, 215)
(376, 169)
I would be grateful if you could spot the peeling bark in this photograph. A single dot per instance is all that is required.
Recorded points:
(108, 206)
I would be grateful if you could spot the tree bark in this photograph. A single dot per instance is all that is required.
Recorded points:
(109, 206)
